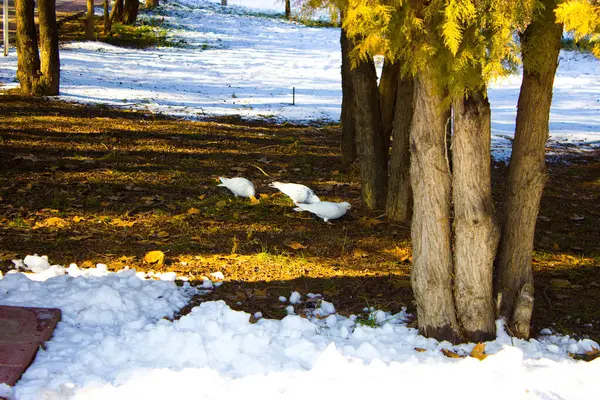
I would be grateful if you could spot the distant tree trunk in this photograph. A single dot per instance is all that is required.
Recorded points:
(475, 230)
(347, 120)
(89, 21)
(370, 143)
(288, 9)
(28, 65)
(116, 14)
(49, 57)
(107, 21)
(432, 269)
(130, 12)
(152, 3)
(540, 44)
(388, 83)
(399, 196)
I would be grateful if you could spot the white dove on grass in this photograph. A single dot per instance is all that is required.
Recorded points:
(298, 193)
(325, 209)
(239, 186)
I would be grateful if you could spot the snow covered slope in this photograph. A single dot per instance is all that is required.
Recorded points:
(239, 62)
(114, 343)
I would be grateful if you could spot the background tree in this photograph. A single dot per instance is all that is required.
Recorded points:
(130, 12)
(152, 3)
(38, 73)
(89, 21)
(107, 20)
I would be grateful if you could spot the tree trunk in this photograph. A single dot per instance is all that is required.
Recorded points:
(527, 171)
(475, 230)
(89, 21)
(152, 3)
(49, 57)
(116, 14)
(28, 66)
(388, 85)
(370, 144)
(399, 196)
(348, 144)
(431, 276)
(107, 21)
(288, 9)
(130, 12)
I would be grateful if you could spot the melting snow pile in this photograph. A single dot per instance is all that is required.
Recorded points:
(114, 342)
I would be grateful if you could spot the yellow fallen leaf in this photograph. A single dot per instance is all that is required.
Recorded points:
(358, 253)
(420, 350)
(202, 196)
(450, 354)
(77, 218)
(193, 211)
(369, 222)
(295, 245)
(122, 223)
(264, 196)
(221, 203)
(254, 200)
(162, 234)
(478, 351)
(336, 172)
(52, 222)
(155, 257)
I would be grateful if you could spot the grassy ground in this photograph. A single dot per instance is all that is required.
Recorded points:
(92, 184)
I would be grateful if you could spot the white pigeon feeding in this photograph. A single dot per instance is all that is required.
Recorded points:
(298, 193)
(239, 186)
(325, 209)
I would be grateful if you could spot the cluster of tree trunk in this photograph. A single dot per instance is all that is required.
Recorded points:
(38, 70)
(468, 269)
(125, 11)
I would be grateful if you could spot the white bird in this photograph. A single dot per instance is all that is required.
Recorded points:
(298, 193)
(325, 209)
(239, 186)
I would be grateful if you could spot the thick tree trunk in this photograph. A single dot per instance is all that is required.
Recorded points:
(527, 171)
(370, 144)
(431, 276)
(28, 66)
(116, 14)
(107, 21)
(475, 230)
(89, 21)
(49, 57)
(288, 9)
(152, 3)
(130, 12)
(348, 145)
(388, 84)
(399, 196)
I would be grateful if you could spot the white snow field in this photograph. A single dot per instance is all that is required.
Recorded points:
(115, 341)
(246, 61)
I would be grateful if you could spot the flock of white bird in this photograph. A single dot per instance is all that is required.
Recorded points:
(302, 196)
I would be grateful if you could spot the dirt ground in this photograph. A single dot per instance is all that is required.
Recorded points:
(98, 185)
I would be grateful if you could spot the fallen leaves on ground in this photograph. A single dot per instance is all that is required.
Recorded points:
(155, 257)
(295, 245)
(52, 222)
(359, 253)
(478, 351)
(450, 354)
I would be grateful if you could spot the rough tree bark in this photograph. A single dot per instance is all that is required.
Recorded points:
(28, 65)
(130, 12)
(399, 196)
(89, 21)
(116, 14)
(152, 3)
(388, 84)
(431, 276)
(49, 57)
(370, 143)
(348, 145)
(107, 21)
(527, 170)
(476, 233)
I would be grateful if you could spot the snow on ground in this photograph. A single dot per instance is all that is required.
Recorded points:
(115, 342)
(240, 62)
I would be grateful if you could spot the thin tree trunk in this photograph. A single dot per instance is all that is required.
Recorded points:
(348, 144)
(130, 12)
(476, 233)
(288, 9)
(28, 65)
(431, 276)
(49, 57)
(116, 14)
(388, 84)
(399, 196)
(152, 3)
(527, 171)
(370, 144)
(89, 21)
(107, 21)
